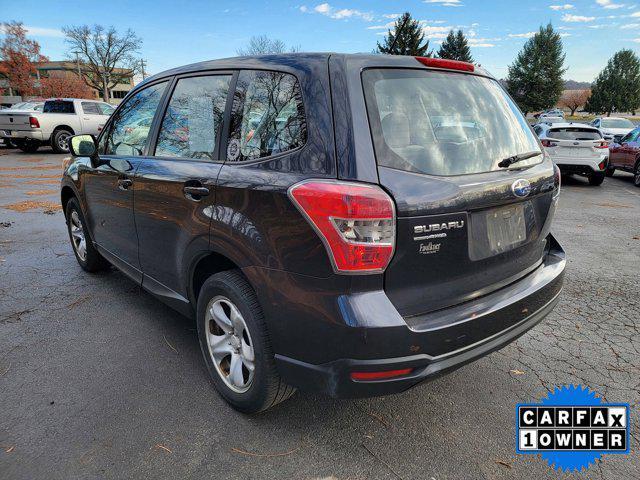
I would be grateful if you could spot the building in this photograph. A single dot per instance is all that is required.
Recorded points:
(64, 68)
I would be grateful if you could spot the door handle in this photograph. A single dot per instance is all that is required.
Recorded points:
(124, 183)
(195, 193)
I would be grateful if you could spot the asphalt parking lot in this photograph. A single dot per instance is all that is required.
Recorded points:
(100, 380)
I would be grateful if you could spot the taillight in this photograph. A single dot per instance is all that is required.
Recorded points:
(33, 121)
(355, 221)
(445, 63)
(602, 145)
(602, 165)
(548, 143)
(381, 375)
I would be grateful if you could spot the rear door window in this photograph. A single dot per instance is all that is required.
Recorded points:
(444, 123)
(192, 123)
(132, 123)
(574, 133)
(268, 116)
(58, 106)
(90, 108)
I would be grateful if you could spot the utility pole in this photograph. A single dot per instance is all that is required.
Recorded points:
(143, 64)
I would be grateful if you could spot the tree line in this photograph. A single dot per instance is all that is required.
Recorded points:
(102, 59)
(535, 78)
(105, 58)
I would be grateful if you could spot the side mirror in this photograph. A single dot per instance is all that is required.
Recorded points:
(83, 146)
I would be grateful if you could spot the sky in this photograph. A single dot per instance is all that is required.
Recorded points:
(176, 33)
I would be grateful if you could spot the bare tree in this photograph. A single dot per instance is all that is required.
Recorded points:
(263, 45)
(574, 99)
(106, 58)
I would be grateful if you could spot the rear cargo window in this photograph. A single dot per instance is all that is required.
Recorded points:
(442, 123)
(58, 106)
(574, 133)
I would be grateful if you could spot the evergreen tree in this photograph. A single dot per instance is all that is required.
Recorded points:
(455, 47)
(410, 39)
(535, 77)
(617, 87)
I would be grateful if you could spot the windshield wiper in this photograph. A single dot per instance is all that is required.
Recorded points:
(517, 158)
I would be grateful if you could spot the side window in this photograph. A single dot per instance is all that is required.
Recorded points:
(268, 116)
(193, 120)
(132, 122)
(90, 108)
(630, 137)
(538, 130)
(105, 108)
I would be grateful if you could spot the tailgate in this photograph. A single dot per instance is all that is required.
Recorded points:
(474, 194)
(460, 238)
(14, 121)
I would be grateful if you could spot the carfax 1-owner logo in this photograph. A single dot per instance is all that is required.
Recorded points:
(572, 427)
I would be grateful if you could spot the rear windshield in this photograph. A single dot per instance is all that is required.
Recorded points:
(574, 134)
(444, 123)
(616, 123)
(58, 106)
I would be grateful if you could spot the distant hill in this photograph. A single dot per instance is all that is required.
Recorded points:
(573, 85)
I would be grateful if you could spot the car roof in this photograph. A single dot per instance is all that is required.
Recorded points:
(289, 61)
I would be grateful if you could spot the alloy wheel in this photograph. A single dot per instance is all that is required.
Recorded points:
(636, 176)
(63, 141)
(230, 346)
(78, 238)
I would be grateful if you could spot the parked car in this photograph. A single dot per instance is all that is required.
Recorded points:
(548, 118)
(612, 127)
(15, 108)
(59, 119)
(576, 148)
(345, 224)
(553, 113)
(24, 107)
(625, 155)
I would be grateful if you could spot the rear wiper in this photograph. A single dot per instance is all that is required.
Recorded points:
(517, 158)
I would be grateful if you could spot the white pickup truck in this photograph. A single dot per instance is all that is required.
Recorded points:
(60, 119)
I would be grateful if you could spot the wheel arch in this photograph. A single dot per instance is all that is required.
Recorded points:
(66, 194)
(209, 264)
(64, 127)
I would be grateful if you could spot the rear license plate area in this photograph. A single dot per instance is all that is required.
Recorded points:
(506, 228)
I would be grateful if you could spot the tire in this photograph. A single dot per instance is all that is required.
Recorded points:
(241, 339)
(60, 141)
(609, 172)
(636, 175)
(29, 146)
(87, 256)
(596, 179)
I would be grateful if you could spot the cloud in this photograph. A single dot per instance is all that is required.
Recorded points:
(433, 31)
(40, 31)
(635, 14)
(630, 26)
(480, 42)
(637, 40)
(566, 6)
(445, 3)
(391, 15)
(386, 26)
(609, 4)
(337, 13)
(522, 35)
(567, 17)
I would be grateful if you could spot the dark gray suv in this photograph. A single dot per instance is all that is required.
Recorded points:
(348, 224)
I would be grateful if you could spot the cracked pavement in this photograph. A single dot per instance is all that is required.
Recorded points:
(100, 380)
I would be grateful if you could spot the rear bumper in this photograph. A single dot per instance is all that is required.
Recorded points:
(580, 165)
(433, 344)
(22, 135)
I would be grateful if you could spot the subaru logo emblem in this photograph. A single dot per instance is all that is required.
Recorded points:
(521, 187)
